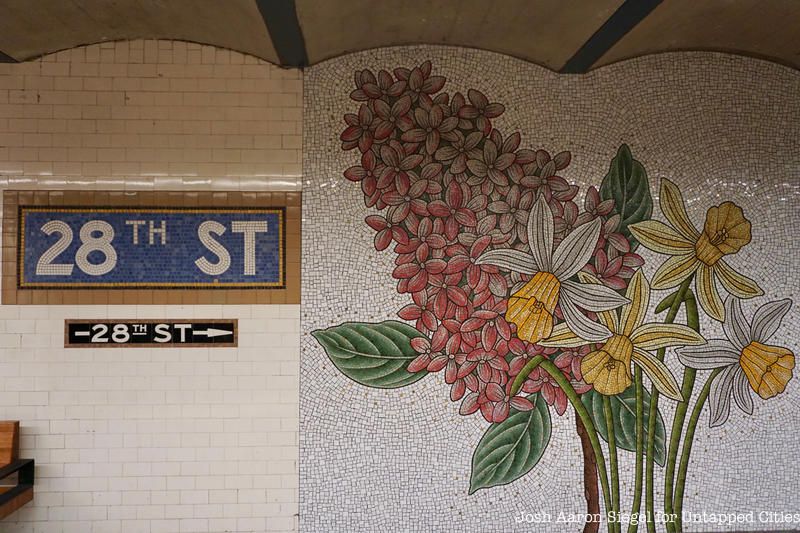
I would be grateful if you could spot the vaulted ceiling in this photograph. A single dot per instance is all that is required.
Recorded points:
(566, 36)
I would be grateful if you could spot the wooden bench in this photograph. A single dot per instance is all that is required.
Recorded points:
(12, 497)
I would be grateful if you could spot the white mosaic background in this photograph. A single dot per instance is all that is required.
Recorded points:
(720, 126)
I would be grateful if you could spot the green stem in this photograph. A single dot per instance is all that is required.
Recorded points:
(653, 415)
(687, 446)
(687, 388)
(524, 373)
(612, 458)
(674, 442)
(586, 418)
(638, 477)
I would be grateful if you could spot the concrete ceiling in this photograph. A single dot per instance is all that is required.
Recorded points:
(32, 28)
(563, 35)
(542, 31)
(769, 29)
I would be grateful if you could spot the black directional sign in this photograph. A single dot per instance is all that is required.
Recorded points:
(150, 333)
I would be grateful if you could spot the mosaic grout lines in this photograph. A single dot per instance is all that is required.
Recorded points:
(721, 127)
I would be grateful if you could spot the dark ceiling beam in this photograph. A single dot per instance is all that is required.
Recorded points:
(624, 19)
(280, 16)
(4, 58)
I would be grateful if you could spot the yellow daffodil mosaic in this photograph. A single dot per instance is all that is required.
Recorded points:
(725, 232)
(608, 368)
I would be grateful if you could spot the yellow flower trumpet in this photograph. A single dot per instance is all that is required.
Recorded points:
(608, 369)
(725, 232)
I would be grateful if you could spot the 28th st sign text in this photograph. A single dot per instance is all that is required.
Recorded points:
(151, 248)
(150, 333)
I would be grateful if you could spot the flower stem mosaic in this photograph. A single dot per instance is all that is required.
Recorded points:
(526, 302)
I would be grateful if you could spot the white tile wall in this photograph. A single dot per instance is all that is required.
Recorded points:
(152, 440)
(168, 113)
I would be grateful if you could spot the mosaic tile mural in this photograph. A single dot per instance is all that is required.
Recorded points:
(150, 248)
(529, 298)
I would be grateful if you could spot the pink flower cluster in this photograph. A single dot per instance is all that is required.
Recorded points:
(450, 186)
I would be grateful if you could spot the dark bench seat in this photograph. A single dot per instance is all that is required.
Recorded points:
(12, 497)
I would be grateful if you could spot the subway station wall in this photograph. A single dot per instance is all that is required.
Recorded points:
(211, 440)
(180, 439)
(418, 161)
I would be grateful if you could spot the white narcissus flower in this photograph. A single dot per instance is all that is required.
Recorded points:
(745, 358)
(531, 308)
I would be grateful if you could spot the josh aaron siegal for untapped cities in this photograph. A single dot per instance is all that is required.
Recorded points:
(581, 518)
(704, 517)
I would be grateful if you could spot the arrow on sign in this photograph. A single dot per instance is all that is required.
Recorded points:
(213, 332)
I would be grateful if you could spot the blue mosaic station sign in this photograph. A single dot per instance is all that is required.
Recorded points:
(141, 248)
